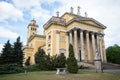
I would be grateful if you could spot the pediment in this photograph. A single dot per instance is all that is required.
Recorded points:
(94, 22)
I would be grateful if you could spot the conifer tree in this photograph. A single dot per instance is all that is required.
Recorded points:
(17, 52)
(72, 66)
(40, 59)
(6, 56)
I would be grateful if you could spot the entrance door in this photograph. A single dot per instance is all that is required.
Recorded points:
(80, 55)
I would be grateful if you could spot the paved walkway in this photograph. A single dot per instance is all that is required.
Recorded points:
(106, 70)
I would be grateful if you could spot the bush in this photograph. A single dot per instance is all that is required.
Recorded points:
(72, 66)
(31, 68)
(60, 61)
(10, 68)
(46, 62)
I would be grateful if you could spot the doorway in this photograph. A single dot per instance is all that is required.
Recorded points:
(80, 55)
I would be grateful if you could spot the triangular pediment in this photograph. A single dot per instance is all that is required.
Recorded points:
(92, 21)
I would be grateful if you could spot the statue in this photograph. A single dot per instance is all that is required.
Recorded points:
(97, 56)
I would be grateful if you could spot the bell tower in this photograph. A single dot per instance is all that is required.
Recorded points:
(32, 29)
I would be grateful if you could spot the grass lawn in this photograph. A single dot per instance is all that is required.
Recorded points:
(50, 75)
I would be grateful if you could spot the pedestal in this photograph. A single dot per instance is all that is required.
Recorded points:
(98, 65)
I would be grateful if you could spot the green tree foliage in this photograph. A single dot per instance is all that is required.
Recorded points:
(46, 62)
(27, 63)
(11, 58)
(59, 61)
(113, 54)
(7, 55)
(72, 66)
(40, 59)
(17, 52)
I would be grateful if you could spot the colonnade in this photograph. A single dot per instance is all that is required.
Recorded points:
(87, 40)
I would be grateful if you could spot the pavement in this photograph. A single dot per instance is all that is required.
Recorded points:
(106, 70)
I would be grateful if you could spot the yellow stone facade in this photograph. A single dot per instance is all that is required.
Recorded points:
(84, 33)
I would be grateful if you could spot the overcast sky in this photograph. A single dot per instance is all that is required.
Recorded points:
(15, 16)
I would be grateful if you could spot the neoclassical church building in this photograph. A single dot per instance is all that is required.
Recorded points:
(84, 33)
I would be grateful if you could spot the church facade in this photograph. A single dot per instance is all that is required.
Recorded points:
(84, 33)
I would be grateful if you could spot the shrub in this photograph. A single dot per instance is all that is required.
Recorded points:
(60, 61)
(72, 66)
(31, 68)
(10, 68)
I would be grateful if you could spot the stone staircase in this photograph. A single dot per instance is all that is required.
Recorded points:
(90, 65)
(110, 66)
(86, 65)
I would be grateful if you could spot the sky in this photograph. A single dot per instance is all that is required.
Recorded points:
(15, 15)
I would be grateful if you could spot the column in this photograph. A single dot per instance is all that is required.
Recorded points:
(88, 45)
(67, 45)
(70, 33)
(57, 41)
(98, 47)
(103, 49)
(93, 44)
(75, 44)
(82, 44)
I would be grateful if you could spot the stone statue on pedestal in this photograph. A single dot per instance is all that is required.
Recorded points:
(97, 62)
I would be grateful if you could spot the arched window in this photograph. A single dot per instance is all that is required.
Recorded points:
(48, 45)
(49, 37)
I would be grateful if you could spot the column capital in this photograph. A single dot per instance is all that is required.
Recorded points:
(75, 28)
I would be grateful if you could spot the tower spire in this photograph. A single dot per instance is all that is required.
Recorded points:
(71, 10)
(78, 13)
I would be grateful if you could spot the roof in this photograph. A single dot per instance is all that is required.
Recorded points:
(32, 23)
(36, 35)
(78, 18)
(82, 19)
(55, 20)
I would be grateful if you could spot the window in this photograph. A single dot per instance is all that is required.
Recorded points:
(48, 45)
(49, 37)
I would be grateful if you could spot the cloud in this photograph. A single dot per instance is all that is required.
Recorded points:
(6, 33)
(106, 12)
(40, 14)
(1, 46)
(26, 4)
(8, 11)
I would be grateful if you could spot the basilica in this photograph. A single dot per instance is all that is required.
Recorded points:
(84, 33)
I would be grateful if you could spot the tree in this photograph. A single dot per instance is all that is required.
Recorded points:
(40, 59)
(7, 56)
(72, 66)
(27, 63)
(18, 52)
(60, 61)
(113, 54)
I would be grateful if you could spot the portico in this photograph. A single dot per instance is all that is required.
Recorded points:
(86, 43)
